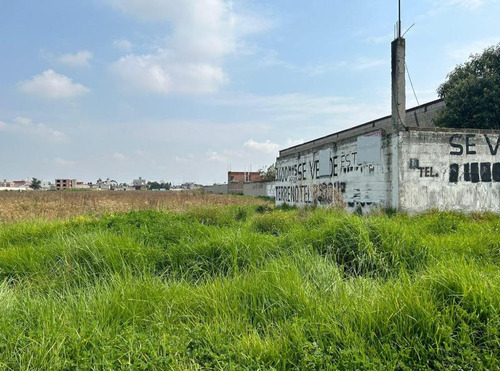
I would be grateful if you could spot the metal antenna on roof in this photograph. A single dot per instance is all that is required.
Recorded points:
(399, 19)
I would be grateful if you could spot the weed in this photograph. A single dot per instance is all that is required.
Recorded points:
(247, 286)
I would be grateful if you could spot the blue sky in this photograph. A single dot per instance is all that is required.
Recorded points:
(183, 90)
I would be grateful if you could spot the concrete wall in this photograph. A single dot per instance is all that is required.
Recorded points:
(235, 188)
(450, 170)
(259, 189)
(216, 188)
(447, 169)
(354, 172)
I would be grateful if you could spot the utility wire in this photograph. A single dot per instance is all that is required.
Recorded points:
(414, 92)
(411, 83)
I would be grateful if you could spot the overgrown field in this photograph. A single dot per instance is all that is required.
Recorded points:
(251, 287)
(16, 206)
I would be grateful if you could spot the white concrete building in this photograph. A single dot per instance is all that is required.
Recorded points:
(400, 161)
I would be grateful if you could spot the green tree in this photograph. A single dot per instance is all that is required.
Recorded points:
(36, 183)
(268, 174)
(153, 185)
(165, 186)
(472, 93)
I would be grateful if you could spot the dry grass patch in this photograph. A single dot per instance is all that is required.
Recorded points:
(64, 204)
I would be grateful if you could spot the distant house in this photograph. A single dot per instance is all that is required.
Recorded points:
(47, 186)
(139, 184)
(236, 179)
(124, 187)
(20, 183)
(82, 185)
(16, 185)
(191, 186)
(62, 184)
(109, 184)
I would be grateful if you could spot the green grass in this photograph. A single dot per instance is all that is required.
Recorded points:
(251, 288)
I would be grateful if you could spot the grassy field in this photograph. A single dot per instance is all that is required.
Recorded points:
(16, 206)
(250, 287)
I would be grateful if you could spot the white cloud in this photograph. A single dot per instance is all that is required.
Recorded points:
(270, 59)
(78, 59)
(123, 45)
(52, 85)
(293, 142)
(81, 58)
(225, 156)
(468, 4)
(184, 159)
(306, 111)
(154, 73)
(62, 162)
(383, 39)
(292, 104)
(119, 156)
(266, 147)
(215, 156)
(269, 147)
(23, 121)
(438, 7)
(363, 63)
(462, 52)
(25, 126)
(190, 59)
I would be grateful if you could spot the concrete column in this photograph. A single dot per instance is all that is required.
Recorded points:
(398, 92)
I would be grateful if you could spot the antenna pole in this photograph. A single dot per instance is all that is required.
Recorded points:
(398, 89)
(399, 18)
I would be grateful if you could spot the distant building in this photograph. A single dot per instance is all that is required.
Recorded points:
(19, 183)
(47, 186)
(236, 179)
(82, 185)
(62, 184)
(190, 186)
(107, 184)
(139, 184)
(16, 185)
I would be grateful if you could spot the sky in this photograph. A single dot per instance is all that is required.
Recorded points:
(185, 90)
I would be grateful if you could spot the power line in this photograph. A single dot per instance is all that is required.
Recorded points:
(411, 83)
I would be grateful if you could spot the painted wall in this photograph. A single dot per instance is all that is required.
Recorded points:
(259, 189)
(447, 169)
(353, 172)
(450, 170)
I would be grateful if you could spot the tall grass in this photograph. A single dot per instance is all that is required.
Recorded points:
(243, 287)
(52, 205)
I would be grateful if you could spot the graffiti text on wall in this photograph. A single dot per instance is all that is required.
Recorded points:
(427, 172)
(474, 172)
(324, 193)
(464, 144)
(341, 164)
